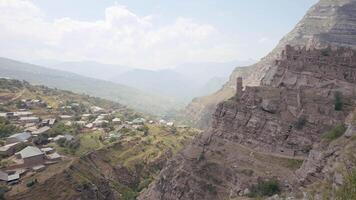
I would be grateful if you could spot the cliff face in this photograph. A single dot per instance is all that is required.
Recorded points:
(259, 132)
(328, 23)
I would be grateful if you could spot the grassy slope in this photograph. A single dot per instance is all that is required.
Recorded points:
(125, 167)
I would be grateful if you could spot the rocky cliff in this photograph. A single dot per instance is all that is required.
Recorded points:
(328, 23)
(265, 132)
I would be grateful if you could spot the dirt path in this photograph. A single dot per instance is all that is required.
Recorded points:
(18, 95)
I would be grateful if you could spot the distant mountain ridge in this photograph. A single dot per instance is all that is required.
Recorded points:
(183, 82)
(125, 95)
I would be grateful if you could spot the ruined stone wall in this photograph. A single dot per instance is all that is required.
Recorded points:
(288, 116)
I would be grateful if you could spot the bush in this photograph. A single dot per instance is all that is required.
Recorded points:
(264, 188)
(31, 183)
(61, 128)
(338, 103)
(347, 190)
(41, 139)
(6, 129)
(335, 132)
(201, 156)
(3, 190)
(300, 123)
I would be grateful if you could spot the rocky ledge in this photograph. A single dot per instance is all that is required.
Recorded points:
(263, 132)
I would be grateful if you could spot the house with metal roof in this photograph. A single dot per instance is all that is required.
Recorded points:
(31, 156)
(9, 149)
(18, 137)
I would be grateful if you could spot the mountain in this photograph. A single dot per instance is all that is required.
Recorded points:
(131, 97)
(330, 22)
(203, 72)
(164, 82)
(177, 83)
(292, 135)
(273, 135)
(86, 68)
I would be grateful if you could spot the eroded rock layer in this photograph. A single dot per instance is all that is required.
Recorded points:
(257, 134)
(328, 23)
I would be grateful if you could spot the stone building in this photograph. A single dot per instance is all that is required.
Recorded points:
(31, 156)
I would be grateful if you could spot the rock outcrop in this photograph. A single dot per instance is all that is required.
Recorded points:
(328, 23)
(254, 134)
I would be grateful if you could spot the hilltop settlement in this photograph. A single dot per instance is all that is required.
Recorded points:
(52, 128)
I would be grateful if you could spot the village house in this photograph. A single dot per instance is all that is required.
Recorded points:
(170, 124)
(116, 121)
(31, 156)
(9, 178)
(89, 126)
(139, 121)
(18, 137)
(65, 117)
(25, 120)
(41, 130)
(48, 122)
(67, 137)
(9, 149)
(97, 110)
(86, 116)
(54, 157)
(31, 129)
(23, 114)
(80, 123)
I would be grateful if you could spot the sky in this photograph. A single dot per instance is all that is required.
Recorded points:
(152, 34)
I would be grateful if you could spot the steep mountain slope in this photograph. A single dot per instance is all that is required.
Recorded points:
(68, 81)
(329, 22)
(118, 171)
(265, 132)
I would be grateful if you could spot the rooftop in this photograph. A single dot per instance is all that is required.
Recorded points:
(21, 136)
(7, 147)
(30, 151)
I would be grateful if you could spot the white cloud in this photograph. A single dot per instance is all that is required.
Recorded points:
(121, 37)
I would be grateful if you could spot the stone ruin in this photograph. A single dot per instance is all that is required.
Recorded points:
(292, 113)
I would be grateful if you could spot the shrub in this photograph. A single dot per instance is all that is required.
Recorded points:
(201, 156)
(6, 129)
(41, 139)
(300, 123)
(335, 132)
(347, 190)
(3, 190)
(338, 103)
(264, 188)
(31, 183)
(61, 142)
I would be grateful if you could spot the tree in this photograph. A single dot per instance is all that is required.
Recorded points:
(6, 129)
(338, 103)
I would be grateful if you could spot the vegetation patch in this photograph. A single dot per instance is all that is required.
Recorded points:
(300, 123)
(3, 190)
(335, 132)
(264, 188)
(338, 101)
(348, 190)
(294, 164)
(6, 129)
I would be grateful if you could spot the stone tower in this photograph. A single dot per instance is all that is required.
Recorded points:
(239, 87)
